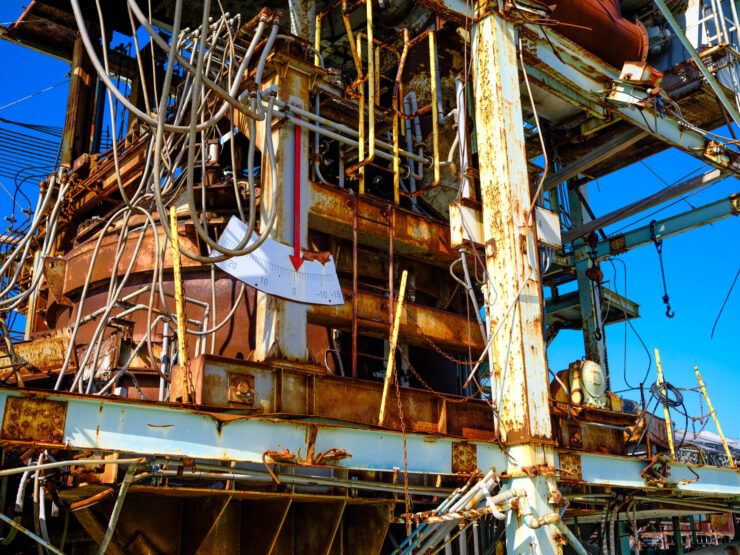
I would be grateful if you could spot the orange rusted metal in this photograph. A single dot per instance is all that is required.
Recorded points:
(279, 387)
(32, 420)
(598, 26)
(464, 458)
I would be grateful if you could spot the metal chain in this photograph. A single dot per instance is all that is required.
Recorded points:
(425, 385)
(406, 496)
(659, 248)
(434, 346)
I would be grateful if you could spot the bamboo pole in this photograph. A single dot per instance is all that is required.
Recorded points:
(714, 416)
(668, 425)
(392, 347)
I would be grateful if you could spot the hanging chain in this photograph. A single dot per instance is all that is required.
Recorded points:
(406, 496)
(596, 276)
(659, 248)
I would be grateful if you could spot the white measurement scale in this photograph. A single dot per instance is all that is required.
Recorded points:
(269, 269)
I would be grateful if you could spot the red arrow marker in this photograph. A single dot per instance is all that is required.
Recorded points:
(295, 258)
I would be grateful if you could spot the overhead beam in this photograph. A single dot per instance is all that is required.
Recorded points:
(112, 424)
(591, 468)
(95, 423)
(596, 156)
(661, 196)
(448, 331)
(703, 215)
(414, 236)
(573, 68)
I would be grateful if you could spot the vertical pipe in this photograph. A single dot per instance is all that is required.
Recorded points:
(694, 539)
(371, 81)
(647, 435)
(179, 304)
(317, 39)
(361, 123)
(435, 105)
(391, 228)
(714, 416)
(677, 535)
(476, 538)
(355, 208)
(396, 161)
(392, 347)
(164, 359)
(668, 425)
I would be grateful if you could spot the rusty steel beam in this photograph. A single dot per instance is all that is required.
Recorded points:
(277, 387)
(448, 331)
(281, 324)
(91, 422)
(519, 380)
(414, 236)
(39, 357)
(75, 139)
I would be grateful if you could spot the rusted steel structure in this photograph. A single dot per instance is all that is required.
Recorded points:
(212, 305)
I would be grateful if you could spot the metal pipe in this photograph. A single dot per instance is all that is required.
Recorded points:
(164, 359)
(61, 464)
(127, 479)
(551, 518)
(30, 534)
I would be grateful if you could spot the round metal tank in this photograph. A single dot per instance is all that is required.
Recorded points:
(598, 27)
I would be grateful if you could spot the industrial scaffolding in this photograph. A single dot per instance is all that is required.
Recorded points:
(283, 287)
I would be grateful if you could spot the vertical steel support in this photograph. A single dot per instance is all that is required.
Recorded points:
(520, 385)
(281, 324)
(76, 136)
(677, 536)
(624, 538)
(594, 336)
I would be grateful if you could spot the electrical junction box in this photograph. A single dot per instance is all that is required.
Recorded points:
(548, 228)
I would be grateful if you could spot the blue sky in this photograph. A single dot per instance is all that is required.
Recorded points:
(699, 265)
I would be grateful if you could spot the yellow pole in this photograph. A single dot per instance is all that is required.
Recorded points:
(361, 123)
(714, 416)
(435, 106)
(668, 425)
(182, 347)
(392, 347)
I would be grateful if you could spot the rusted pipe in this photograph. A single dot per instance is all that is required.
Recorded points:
(598, 26)
(433, 76)
(551, 518)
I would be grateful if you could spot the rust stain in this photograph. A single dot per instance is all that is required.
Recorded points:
(571, 464)
(464, 458)
(28, 419)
